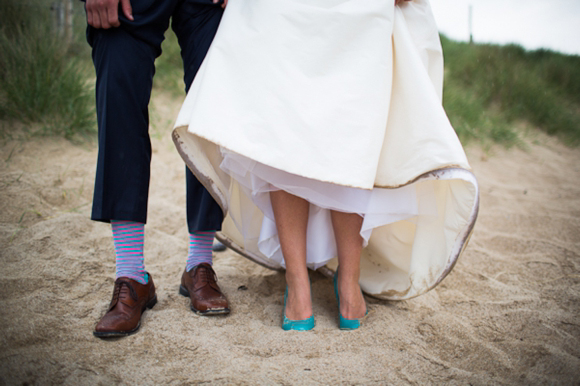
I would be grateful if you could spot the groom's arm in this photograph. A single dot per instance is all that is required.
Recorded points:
(104, 13)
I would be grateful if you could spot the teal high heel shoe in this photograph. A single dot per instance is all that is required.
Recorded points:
(297, 325)
(344, 323)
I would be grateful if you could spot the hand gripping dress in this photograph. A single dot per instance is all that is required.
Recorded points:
(338, 102)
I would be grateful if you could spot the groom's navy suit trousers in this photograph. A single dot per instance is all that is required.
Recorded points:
(124, 62)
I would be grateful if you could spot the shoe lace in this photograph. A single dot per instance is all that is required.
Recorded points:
(206, 274)
(121, 287)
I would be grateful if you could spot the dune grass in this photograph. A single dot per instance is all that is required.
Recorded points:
(488, 88)
(169, 67)
(41, 81)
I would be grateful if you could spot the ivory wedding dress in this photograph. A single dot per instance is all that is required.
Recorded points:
(339, 102)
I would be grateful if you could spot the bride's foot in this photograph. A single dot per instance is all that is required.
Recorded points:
(299, 302)
(352, 302)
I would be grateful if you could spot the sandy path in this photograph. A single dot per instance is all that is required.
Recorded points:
(507, 314)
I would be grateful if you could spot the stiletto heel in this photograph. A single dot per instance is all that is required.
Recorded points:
(344, 323)
(297, 325)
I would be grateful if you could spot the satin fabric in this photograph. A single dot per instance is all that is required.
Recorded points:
(339, 92)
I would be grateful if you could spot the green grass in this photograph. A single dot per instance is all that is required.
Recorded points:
(169, 67)
(50, 85)
(40, 80)
(490, 88)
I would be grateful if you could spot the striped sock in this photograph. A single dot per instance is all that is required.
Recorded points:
(199, 248)
(129, 237)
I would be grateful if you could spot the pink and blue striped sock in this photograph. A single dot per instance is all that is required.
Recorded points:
(129, 237)
(199, 248)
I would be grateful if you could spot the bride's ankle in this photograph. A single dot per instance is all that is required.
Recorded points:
(352, 302)
(298, 303)
(297, 279)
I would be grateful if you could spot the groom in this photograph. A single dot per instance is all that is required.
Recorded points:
(126, 36)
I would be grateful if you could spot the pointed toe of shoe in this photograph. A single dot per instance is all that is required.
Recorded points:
(298, 325)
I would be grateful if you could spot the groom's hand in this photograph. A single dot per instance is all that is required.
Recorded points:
(223, 4)
(104, 13)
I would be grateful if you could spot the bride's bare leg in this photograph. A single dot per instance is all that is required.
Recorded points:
(349, 246)
(291, 214)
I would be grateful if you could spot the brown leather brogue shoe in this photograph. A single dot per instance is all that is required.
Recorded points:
(200, 284)
(130, 299)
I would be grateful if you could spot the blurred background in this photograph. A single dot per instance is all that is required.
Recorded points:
(533, 24)
(510, 66)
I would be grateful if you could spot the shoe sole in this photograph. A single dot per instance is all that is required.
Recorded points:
(222, 311)
(119, 334)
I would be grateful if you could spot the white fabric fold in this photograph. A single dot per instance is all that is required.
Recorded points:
(339, 102)
(378, 207)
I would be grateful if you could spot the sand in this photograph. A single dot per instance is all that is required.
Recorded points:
(507, 314)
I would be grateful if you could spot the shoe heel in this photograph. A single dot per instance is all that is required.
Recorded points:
(344, 323)
(152, 302)
(183, 291)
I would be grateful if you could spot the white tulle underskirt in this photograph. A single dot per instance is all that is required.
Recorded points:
(378, 206)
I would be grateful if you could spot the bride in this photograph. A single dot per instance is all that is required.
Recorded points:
(317, 125)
